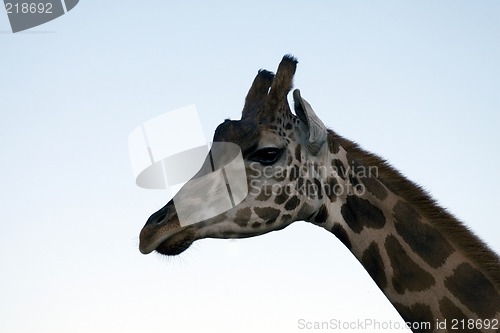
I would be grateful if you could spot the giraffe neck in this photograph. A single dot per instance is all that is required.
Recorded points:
(429, 266)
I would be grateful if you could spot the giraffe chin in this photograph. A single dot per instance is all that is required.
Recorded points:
(166, 238)
(177, 243)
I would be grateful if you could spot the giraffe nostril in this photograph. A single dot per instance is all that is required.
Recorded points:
(160, 218)
(157, 217)
(163, 215)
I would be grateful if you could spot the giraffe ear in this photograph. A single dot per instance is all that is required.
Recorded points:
(315, 127)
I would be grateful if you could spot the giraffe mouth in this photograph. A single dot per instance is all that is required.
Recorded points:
(176, 243)
(167, 238)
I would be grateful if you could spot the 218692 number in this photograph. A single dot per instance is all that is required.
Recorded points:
(28, 8)
(473, 324)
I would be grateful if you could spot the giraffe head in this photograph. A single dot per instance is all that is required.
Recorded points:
(278, 150)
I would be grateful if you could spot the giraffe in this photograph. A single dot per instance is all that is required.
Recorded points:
(426, 262)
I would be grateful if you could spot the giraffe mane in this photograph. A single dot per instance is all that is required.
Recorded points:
(456, 232)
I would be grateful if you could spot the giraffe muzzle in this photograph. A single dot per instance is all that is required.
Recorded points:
(160, 228)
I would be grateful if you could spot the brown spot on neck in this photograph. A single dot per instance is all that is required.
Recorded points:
(424, 239)
(449, 310)
(360, 213)
(474, 290)
(418, 315)
(372, 262)
(292, 203)
(374, 186)
(341, 234)
(322, 215)
(339, 168)
(407, 275)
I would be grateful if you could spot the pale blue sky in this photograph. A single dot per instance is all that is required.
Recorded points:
(415, 82)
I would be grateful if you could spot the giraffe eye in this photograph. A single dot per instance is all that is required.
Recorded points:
(266, 156)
